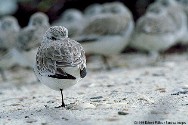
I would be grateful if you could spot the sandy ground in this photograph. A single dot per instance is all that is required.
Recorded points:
(137, 91)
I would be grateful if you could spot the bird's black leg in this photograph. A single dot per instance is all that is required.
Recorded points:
(3, 75)
(63, 104)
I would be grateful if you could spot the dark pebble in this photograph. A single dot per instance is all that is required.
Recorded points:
(43, 123)
(26, 116)
(123, 113)
(124, 99)
(50, 101)
(175, 93)
(183, 92)
(97, 97)
(110, 85)
(46, 106)
(66, 119)
(158, 74)
(31, 120)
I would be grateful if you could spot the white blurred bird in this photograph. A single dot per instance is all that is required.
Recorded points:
(157, 30)
(26, 42)
(184, 6)
(30, 38)
(108, 33)
(9, 29)
(178, 15)
(73, 20)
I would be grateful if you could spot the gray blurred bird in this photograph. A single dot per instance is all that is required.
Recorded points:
(26, 41)
(184, 6)
(178, 15)
(93, 10)
(9, 29)
(73, 20)
(159, 29)
(107, 33)
(30, 37)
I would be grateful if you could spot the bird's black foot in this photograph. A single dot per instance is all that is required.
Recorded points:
(61, 106)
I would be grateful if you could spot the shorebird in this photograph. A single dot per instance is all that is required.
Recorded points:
(184, 6)
(157, 30)
(60, 61)
(73, 20)
(9, 29)
(108, 33)
(30, 38)
(178, 15)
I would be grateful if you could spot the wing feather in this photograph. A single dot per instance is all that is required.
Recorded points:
(53, 57)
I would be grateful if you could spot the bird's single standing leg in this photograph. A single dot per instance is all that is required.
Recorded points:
(63, 104)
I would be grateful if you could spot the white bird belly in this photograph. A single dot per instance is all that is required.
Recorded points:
(57, 84)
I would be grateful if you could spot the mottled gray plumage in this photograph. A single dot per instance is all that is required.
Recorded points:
(60, 61)
(58, 51)
(107, 24)
(114, 19)
(107, 33)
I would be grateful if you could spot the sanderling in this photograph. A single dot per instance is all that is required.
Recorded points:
(29, 38)
(155, 31)
(184, 6)
(9, 29)
(178, 15)
(60, 61)
(108, 33)
(73, 20)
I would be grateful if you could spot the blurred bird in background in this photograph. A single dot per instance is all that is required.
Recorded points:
(108, 32)
(19, 46)
(93, 10)
(9, 30)
(103, 28)
(160, 28)
(184, 7)
(73, 20)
